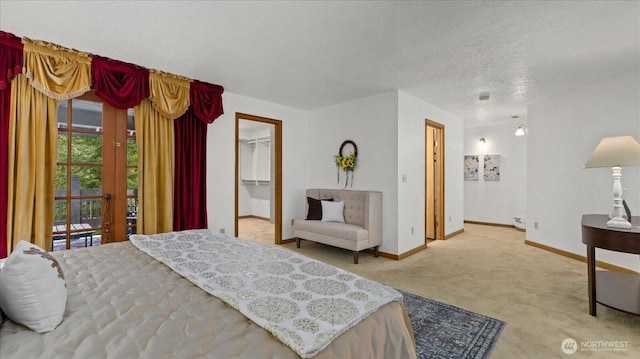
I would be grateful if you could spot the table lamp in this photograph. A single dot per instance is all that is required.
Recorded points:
(616, 152)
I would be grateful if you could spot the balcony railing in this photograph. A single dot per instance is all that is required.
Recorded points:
(85, 217)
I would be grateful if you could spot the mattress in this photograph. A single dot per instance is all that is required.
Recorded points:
(122, 303)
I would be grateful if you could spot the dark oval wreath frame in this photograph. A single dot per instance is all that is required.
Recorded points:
(355, 148)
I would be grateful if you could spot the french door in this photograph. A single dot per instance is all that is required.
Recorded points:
(95, 200)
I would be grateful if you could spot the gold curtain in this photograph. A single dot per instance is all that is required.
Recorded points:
(155, 139)
(56, 71)
(169, 93)
(32, 162)
(52, 73)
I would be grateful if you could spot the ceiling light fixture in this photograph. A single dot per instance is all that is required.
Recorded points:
(482, 141)
(521, 130)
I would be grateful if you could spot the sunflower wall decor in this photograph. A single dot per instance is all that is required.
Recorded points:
(347, 163)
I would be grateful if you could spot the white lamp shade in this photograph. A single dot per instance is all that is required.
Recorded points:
(615, 151)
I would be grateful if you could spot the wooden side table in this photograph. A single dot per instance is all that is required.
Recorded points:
(613, 289)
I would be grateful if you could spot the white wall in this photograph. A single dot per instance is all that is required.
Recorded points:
(412, 114)
(221, 160)
(371, 123)
(563, 132)
(389, 130)
(497, 201)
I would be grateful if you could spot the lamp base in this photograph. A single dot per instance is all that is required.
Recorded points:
(616, 218)
(618, 223)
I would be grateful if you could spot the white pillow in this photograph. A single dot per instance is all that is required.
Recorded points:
(332, 211)
(32, 288)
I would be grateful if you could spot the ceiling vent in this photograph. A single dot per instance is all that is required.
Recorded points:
(484, 96)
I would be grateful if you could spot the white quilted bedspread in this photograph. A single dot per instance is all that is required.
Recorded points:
(304, 303)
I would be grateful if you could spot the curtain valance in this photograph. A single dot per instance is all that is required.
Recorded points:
(58, 72)
(169, 94)
(64, 73)
(206, 100)
(120, 84)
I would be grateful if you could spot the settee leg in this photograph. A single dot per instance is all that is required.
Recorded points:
(375, 251)
(297, 242)
(355, 257)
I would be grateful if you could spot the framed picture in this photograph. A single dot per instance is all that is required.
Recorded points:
(492, 167)
(471, 167)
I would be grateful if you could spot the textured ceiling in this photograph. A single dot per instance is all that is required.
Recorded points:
(313, 54)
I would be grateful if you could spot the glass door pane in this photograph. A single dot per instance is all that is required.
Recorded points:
(78, 189)
(132, 176)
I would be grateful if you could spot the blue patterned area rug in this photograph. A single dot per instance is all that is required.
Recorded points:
(444, 331)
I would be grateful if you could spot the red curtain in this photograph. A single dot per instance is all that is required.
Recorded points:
(190, 187)
(120, 84)
(10, 65)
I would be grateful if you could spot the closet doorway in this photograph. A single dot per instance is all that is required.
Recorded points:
(434, 181)
(258, 185)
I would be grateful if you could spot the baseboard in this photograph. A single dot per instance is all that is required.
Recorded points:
(450, 235)
(285, 241)
(490, 224)
(419, 248)
(256, 217)
(411, 252)
(386, 255)
(400, 256)
(580, 258)
(496, 225)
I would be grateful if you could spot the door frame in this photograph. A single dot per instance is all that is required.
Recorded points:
(277, 170)
(439, 180)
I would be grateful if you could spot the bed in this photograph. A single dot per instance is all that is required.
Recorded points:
(123, 303)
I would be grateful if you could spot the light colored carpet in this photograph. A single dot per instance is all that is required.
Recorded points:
(489, 270)
(257, 230)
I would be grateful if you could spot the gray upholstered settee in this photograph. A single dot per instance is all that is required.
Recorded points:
(363, 221)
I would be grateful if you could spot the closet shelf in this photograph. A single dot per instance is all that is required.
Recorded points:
(256, 182)
(254, 141)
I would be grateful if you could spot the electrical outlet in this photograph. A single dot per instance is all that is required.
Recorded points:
(449, 218)
(222, 230)
(535, 225)
(412, 230)
(292, 221)
(404, 178)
